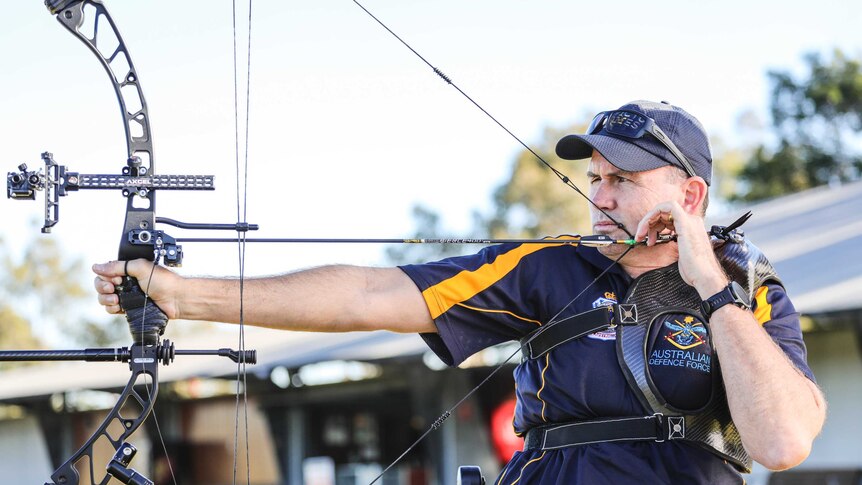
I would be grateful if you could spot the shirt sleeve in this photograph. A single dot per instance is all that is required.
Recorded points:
(479, 300)
(774, 310)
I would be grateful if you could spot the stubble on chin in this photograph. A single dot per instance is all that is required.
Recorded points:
(613, 251)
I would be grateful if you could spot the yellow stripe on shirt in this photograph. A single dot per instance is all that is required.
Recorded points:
(528, 464)
(506, 312)
(539, 392)
(467, 284)
(763, 310)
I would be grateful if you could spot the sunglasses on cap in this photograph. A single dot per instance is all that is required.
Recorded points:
(631, 124)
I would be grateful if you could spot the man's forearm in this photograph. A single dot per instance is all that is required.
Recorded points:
(324, 299)
(777, 410)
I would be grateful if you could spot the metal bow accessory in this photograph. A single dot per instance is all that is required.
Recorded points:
(139, 182)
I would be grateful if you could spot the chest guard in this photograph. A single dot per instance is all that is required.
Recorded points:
(663, 299)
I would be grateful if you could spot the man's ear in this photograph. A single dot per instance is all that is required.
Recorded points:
(695, 191)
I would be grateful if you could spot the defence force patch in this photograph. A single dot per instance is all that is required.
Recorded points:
(680, 359)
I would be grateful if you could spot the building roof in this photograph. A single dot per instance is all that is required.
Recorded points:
(813, 239)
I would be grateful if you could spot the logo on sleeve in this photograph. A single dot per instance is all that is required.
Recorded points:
(608, 299)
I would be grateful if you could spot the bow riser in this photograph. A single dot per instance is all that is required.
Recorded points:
(139, 239)
(140, 210)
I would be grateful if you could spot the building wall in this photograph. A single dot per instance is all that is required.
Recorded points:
(837, 364)
(23, 452)
(835, 359)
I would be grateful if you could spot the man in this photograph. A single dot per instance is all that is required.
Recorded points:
(649, 173)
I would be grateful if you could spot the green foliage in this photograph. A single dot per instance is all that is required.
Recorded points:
(50, 300)
(15, 331)
(817, 121)
(427, 226)
(533, 202)
(15, 334)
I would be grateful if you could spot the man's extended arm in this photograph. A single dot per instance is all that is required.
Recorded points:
(325, 299)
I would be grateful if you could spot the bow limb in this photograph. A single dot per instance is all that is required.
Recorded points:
(130, 411)
(140, 213)
(90, 22)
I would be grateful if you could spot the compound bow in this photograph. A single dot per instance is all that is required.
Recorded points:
(139, 184)
(140, 239)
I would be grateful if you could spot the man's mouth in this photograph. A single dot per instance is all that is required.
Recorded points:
(604, 226)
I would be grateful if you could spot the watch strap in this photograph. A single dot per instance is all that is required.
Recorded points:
(732, 293)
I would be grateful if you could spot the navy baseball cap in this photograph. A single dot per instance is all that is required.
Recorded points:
(630, 141)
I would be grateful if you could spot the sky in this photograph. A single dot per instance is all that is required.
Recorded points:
(347, 128)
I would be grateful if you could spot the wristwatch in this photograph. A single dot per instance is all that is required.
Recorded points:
(732, 293)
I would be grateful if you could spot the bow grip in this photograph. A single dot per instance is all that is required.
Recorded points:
(147, 321)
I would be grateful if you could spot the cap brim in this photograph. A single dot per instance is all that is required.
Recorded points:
(622, 154)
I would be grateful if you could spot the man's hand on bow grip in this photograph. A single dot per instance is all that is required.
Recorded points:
(158, 287)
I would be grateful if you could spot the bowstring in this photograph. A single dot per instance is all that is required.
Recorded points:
(241, 214)
(565, 179)
(543, 328)
(146, 291)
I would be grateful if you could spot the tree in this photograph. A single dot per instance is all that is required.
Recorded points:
(532, 202)
(49, 300)
(816, 121)
(427, 226)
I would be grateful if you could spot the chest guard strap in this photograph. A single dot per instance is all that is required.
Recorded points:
(656, 291)
(540, 341)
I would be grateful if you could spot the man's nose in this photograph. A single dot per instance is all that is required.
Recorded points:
(602, 195)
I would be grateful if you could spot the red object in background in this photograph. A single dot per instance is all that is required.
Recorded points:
(506, 442)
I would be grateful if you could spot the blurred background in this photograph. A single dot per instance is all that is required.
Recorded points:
(349, 134)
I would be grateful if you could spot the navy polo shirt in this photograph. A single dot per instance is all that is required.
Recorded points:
(504, 292)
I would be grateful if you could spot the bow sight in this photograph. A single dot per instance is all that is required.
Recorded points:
(146, 321)
(56, 181)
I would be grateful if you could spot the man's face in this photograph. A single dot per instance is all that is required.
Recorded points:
(627, 196)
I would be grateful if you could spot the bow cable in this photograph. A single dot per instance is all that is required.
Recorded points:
(241, 214)
(565, 179)
(443, 417)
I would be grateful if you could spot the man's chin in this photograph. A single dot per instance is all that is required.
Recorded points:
(613, 251)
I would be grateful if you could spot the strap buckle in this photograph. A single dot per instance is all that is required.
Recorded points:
(626, 314)
(672, 428)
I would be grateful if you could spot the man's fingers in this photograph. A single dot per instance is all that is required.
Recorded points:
(109, 269)
(109, 300)
(117, 269)
(103, 285)
(657, 220)
(114, 310)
